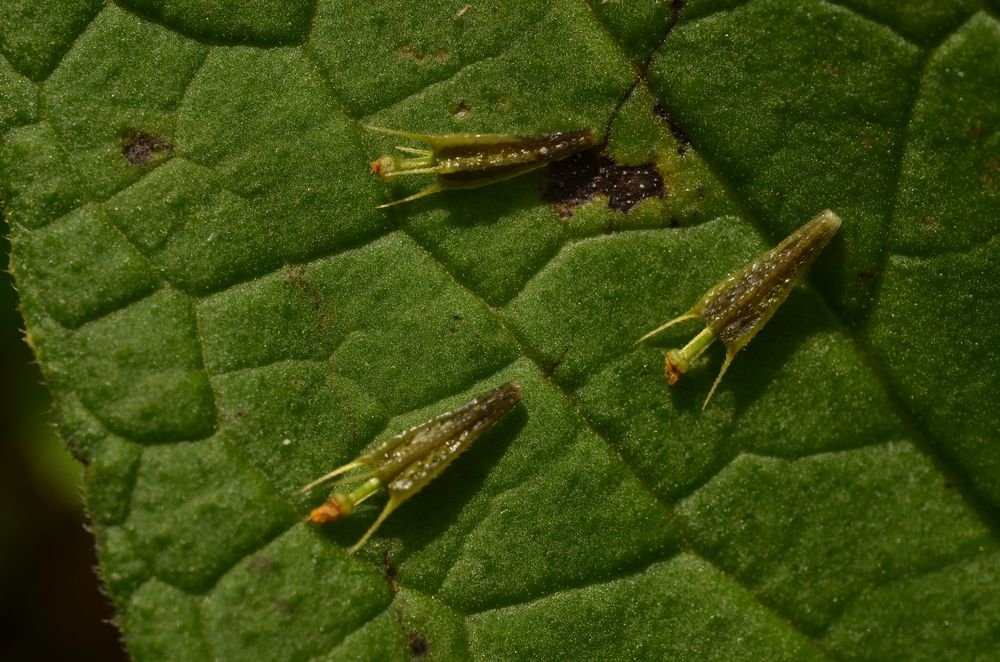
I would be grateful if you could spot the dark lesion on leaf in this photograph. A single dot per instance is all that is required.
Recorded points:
(295, 275)
(75, 446)
(865, 277)
(419, 646)
(460, 109)
(140, 147)
(550, 370)
(683, 142)
(390, 572)
(579, 178)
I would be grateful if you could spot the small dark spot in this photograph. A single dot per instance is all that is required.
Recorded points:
(674, 222)
(867, 141)
(683, 143)
(551, 370)
(456, 324)
(865, 277)
(295, 275)
(460, 109)
(976, 130)
(410, 52)
(676, 9)
(76, 449)
(390, 573)
(388, 569)
(948, 485)
(441, 56)
(579, 178)
(832, 69)
(140, 147)
(930, 221)
(419, 646)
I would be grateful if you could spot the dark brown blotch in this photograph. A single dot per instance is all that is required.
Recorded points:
(419, 646)
(579, 178)
(140, 147)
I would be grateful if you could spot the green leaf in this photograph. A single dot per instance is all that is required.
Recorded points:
(222, 314)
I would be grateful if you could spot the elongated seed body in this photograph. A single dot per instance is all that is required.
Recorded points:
(740, 305)
(407, 462)
(471, 160)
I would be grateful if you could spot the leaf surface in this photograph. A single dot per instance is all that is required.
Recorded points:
(222, 315)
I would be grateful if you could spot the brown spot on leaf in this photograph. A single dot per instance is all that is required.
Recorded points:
(832, 69)
(390, 572)
(388, 568)
(976, 130)
(460, 109)
(411, 52)
(579, 178)
(683, 144)
(73, 443)
(930, 221)
(419, 646)
(864, 277)
(550, 371)
(295, 275)
(140, 147)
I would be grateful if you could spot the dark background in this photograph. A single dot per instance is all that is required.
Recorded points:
(51, 606)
